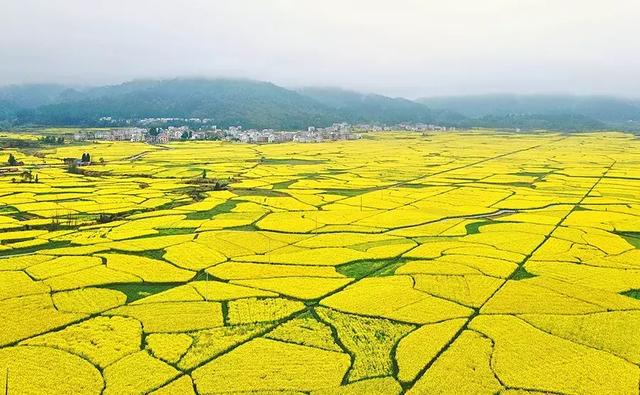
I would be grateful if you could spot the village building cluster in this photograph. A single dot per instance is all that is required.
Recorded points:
(153, 135)
(163, 135)
(235, 133)
(422, 127)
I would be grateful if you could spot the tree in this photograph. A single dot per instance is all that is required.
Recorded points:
(154, 131)
(88, 158)
(52, 140)
(36, 179)
(27, 176)
(204, 173)
(12, 160)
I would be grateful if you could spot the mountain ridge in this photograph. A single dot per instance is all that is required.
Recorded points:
(259, 104)
(252, 104)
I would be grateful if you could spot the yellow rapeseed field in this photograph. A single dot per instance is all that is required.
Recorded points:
(462, 262)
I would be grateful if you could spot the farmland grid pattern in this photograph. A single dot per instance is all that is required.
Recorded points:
(411, 255)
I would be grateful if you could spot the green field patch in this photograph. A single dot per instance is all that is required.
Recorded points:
(8, 210)
(175, 231)
(413, 186)
(12, 241)
(16, 214)
(244, 228)
(284, 184)
(360, 269)
(20, 216)
(365, 268)
(521, 273)
(202, 276)
(632, 293)
(136, 291)
(632, 238)
(29, 250)
(474, 227)
(225, 207)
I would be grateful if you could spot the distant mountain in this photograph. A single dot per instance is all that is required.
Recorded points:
(604, 109)
(358, 107)
(562, 121)
(255, 104)
(228, 102)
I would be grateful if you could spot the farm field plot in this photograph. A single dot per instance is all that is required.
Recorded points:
(463, 262)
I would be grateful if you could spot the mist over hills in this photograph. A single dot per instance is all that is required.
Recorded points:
(256, 104)
(357, 107)
(599, 111)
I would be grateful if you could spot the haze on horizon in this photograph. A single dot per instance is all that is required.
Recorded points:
(408, 48)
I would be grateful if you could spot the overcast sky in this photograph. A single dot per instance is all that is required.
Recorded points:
(406, 48)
